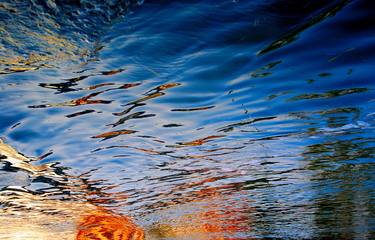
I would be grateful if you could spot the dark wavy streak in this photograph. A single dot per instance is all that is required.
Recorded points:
(293, 34)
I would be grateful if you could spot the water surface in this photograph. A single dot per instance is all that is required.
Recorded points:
(243, 119)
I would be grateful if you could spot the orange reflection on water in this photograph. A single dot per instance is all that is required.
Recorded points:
(214, 214)
(76, 102)
(112, 134)
(102, 225)
(200, 141)
(30, 215)
(211, 222)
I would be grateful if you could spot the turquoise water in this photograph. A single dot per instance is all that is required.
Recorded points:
(262, 112)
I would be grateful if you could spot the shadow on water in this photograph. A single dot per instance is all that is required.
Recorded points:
(197, 119)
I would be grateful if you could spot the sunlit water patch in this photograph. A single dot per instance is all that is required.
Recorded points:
(199, 119)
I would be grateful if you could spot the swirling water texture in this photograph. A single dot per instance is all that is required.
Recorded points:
(254, 118)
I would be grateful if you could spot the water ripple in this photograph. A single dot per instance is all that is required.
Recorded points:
(197, 119)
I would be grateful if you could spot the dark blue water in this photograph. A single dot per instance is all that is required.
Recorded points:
(256, 117)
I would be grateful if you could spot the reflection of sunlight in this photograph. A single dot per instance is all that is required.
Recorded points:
(24, 228)
(103, 225)
(31, 43)
(77, 222)
(26, 233)
(26, 215)
(212, 217)
(199, 121)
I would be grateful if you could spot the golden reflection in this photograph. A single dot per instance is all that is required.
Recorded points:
(76, 102)
(19, 161)
(164, 87)
(200, 141)
(30, 215)
(103, 225)
(58, 49)
(41, 218)
(203, 209)
(31, 43)
(215, 216)
(27, 215)
(113, 134)
(151, 94)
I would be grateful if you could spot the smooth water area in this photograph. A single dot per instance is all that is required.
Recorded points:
(240, 119)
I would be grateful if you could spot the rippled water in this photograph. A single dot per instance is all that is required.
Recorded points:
(199, 119)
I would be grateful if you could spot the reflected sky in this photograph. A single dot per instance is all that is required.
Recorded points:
(254, 118)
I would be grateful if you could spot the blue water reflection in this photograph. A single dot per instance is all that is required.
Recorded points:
(191, 108)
